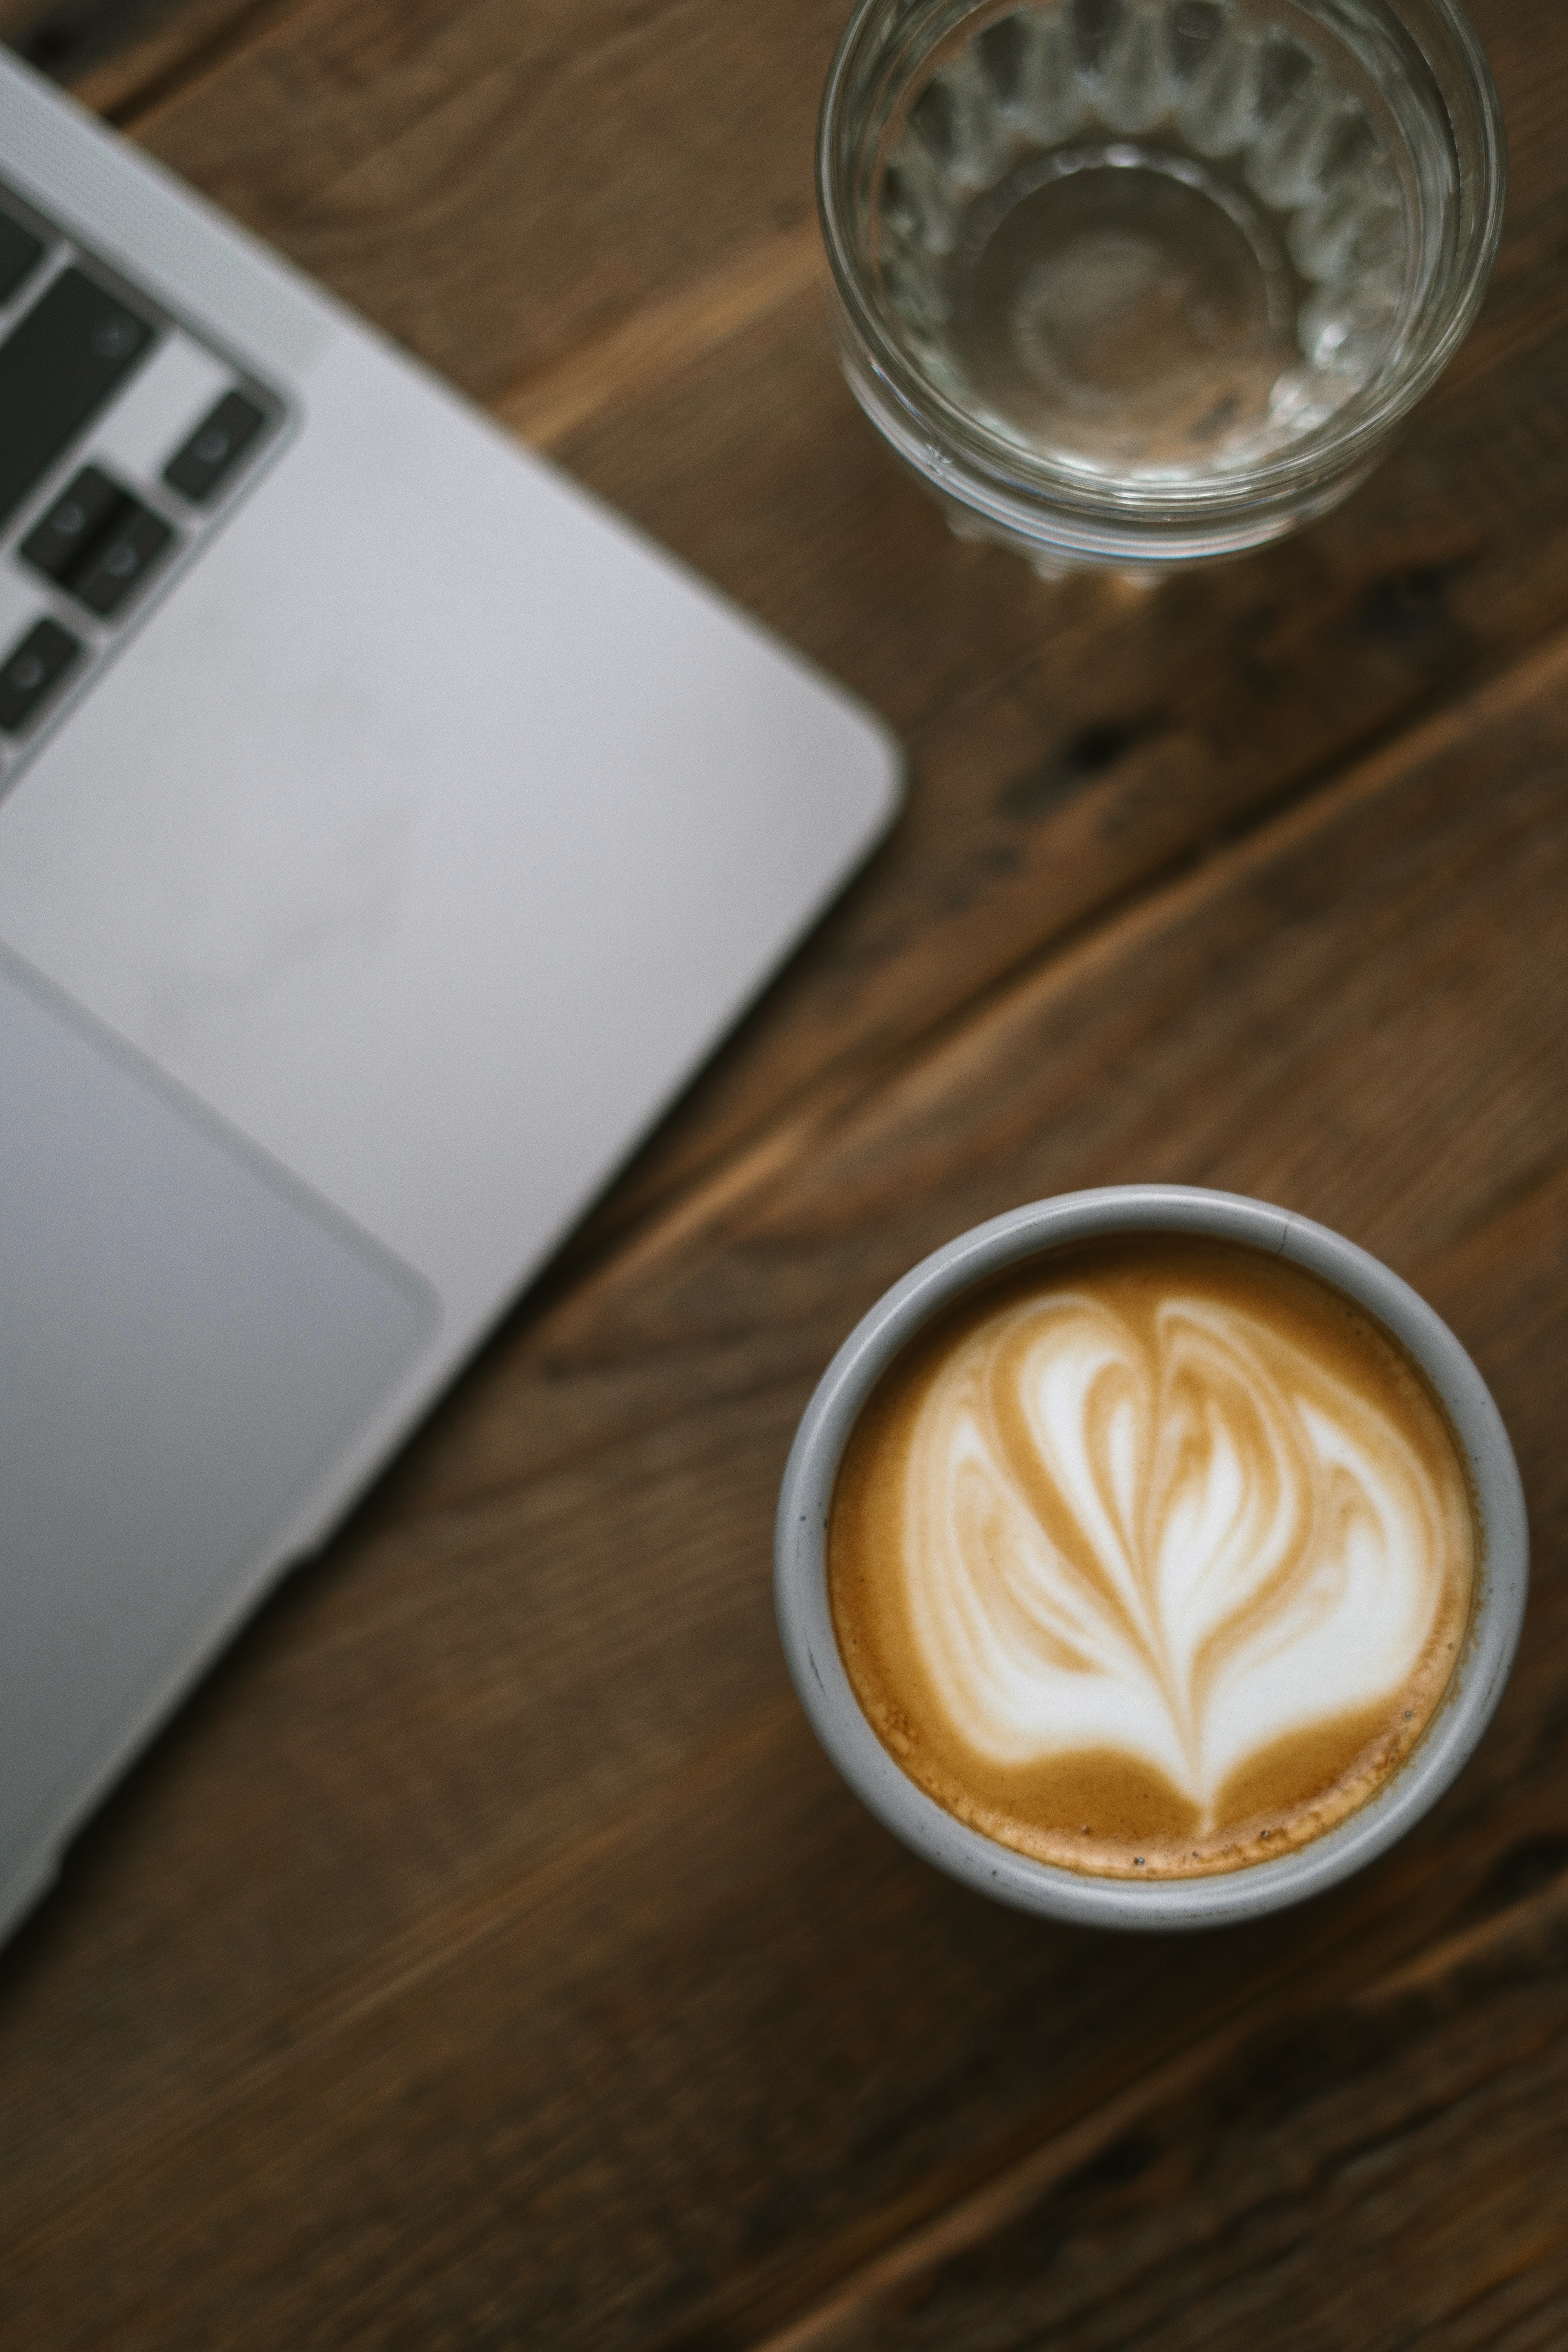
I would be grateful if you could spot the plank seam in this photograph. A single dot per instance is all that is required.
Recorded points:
(743, 1171)
(979, 2216)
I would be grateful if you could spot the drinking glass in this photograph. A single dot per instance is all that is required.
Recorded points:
(1141, 282)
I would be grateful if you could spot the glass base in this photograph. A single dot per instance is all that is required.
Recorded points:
(1167, 261)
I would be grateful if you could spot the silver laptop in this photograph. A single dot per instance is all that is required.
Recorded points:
(386, 833)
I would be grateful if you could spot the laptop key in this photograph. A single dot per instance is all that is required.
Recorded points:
(57, 368)
(217, 442)
(73, 525)
(20, 253)
(134, 545)
(32, 670)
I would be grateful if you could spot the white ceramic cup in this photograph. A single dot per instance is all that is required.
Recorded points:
(805, 1620)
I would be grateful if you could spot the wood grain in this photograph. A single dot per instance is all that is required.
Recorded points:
(1407, 2132)
(486, 1957)
(492, 1873)
(125, 57)
(1069, 743)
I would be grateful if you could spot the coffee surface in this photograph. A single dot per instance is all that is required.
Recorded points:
(1153, 1558)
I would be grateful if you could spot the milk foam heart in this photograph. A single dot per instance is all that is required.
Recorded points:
(1164, 1547)
(1183, 1540)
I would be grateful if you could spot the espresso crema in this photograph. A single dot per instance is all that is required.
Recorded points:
(1153, 1559)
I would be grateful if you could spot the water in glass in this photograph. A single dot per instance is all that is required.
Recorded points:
(1156, 239)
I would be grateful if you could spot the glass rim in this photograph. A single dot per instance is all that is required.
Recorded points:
(990, 471)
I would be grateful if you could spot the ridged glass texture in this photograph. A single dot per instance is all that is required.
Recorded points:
(1132, 281)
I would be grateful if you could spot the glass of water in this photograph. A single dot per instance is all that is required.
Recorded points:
(1136, 282)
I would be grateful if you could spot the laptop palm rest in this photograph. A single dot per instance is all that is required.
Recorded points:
(187, 1340)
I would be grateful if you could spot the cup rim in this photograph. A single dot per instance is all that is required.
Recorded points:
(1047, 1889)
(993, 475)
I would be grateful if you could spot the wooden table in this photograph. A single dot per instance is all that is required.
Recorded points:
(487, 1957)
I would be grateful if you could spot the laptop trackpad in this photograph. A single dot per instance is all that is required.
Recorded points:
(187, 1341)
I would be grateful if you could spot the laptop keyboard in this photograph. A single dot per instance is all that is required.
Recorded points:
(57, 370)
(123, 436)
(20, 251)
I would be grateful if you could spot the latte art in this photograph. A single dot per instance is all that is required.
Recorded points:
(1182, 1539)
(1156, 1560)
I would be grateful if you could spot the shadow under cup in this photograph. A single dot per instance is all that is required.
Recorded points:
(805, 1617)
